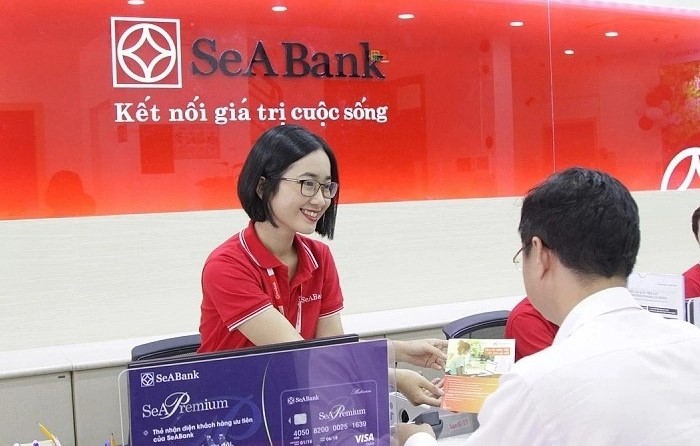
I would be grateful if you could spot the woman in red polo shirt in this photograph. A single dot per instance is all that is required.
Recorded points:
(269, 283)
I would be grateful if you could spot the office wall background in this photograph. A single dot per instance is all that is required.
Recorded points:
(105, 224)
(100, 278)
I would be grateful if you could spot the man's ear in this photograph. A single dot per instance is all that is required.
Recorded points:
(258, 188)
(543, 255)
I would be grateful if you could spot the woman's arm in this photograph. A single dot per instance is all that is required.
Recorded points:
(269, 327)
(329, 326)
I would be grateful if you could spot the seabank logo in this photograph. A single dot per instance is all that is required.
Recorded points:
(148, 379)
(302, 399)
(146, 53)
(310, 298)
(693, 170)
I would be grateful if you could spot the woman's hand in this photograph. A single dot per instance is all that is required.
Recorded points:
(428, 353)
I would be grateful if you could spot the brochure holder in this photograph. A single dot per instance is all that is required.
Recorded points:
(663, 294)
(297, 395)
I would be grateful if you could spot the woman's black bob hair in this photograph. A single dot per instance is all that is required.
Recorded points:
(271, 155)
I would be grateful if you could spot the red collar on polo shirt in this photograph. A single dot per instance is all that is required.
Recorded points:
(261, 256)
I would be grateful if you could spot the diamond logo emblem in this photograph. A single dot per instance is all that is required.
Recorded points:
(146, 53)
(148, 379)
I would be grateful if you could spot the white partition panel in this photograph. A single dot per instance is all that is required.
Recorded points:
(26, 401)
(96, 405)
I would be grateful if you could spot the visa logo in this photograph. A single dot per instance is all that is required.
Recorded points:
(364, 438)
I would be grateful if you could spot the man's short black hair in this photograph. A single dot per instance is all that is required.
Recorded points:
(694, 223)
(271, 155)
(588, 218)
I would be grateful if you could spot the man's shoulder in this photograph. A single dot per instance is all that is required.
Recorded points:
(587, 348)
(544, 362)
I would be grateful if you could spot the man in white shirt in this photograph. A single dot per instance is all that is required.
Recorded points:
(615, 373)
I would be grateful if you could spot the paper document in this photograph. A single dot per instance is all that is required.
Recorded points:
(472, 371)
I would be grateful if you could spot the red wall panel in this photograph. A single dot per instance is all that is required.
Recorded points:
(460, 105)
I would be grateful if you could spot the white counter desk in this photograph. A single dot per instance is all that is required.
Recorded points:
(73, 388)
(399, 322)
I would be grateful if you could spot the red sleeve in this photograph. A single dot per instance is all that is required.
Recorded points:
(233, 290)
(332, 301)
(691, 278)
(532, 333)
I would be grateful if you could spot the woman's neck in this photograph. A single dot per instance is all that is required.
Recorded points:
(280, 243)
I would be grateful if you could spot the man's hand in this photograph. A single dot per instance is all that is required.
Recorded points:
(417, 389)
(406, 430)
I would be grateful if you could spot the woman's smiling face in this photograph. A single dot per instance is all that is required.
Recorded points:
(293, 211)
